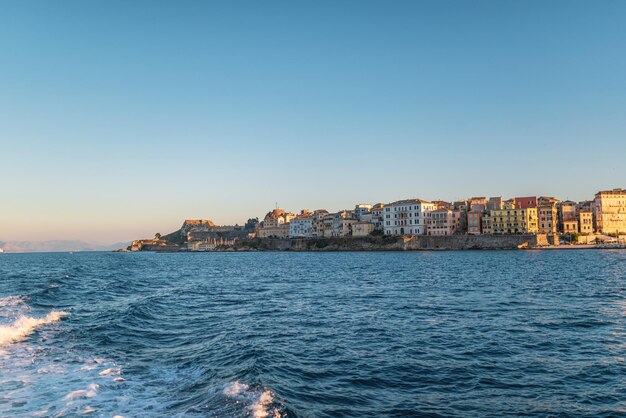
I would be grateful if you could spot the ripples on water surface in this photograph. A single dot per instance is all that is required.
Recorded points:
(313, 335)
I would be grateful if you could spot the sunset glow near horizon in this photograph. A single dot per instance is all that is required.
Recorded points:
(122, 119)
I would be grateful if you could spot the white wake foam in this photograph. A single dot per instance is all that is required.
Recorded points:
(90, 392)
(259, 402)
(260, 407)
(113, 371)
(25, 325)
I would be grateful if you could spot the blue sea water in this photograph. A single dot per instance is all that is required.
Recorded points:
(476, 333)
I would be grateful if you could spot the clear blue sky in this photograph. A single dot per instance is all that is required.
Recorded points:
(119, 119)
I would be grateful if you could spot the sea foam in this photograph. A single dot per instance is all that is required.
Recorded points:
(259, 402)
(90, 392)
(25, 325)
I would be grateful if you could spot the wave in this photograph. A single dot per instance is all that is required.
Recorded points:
(25, 325)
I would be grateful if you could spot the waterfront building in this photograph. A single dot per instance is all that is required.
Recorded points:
(362, 229)
(474, 222)
(567, 214)
(610, 211)
(342, 224)
(548, 214)
(486, 224)
(361, 210)
(548, 219)
(461, 221)
(317, 223)
(511, 220)
(377, 216)
(585, 222)
(209, 244)
(526, 202)
(494, 203)
(328, 221)
(407, 217)
(460, 207)
(301, 226)
(278, 231)
(570, 226)
(442, 222)
(338, 224)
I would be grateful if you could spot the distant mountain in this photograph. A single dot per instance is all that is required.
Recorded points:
(58, 245)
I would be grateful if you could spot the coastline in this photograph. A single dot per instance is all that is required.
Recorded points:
(384, 244)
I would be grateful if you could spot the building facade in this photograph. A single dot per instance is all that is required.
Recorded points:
(585, 222)
(513, 221)
(362, 229)
(442, 222)
(362, 210)
(301, 227)
(278, 231)
(548, 218)
(570, 226)
(525, 202)
(317, 223)
(610, 211)
(461, 207)
(407, 217)
(474, 222)
(567, 213)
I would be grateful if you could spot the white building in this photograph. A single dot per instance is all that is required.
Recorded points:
(361, 210)
(378, 216)
(407, 217)
(301, 227)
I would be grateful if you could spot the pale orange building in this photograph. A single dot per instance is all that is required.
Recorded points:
(474, 222)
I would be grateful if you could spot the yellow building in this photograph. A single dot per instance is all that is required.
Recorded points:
(570, 227)
(610, 211)
(513, 221)
(585, 222)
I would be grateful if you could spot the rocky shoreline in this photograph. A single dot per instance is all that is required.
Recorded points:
(380, 243)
